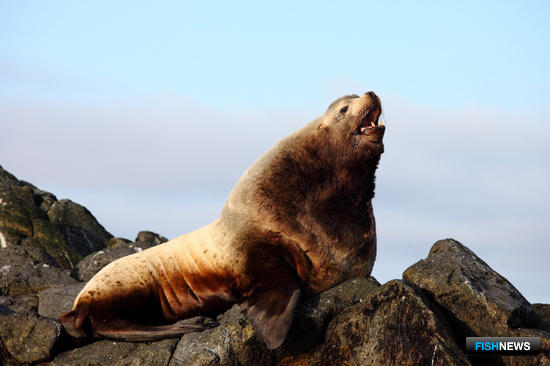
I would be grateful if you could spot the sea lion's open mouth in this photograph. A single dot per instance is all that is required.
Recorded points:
(368, 119)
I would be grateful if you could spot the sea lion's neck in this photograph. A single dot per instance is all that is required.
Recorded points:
(303, 171)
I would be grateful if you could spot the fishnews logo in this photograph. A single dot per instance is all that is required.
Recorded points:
(503, 345)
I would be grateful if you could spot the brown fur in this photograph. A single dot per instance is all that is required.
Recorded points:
(299, 221)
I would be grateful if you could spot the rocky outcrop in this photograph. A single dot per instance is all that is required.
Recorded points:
(80, 228)
(32, 217)
(396, 323)
(116, 249)
(478, 300)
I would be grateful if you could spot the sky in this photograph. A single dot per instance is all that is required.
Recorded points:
(148, 113)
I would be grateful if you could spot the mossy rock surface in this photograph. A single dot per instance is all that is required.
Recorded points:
(27, 339)
(32, 217)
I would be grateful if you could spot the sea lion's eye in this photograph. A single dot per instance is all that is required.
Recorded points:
(342, 113)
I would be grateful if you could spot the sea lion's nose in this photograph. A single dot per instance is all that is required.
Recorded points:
(371, 94)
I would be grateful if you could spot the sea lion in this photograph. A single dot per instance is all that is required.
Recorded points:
(298, 222)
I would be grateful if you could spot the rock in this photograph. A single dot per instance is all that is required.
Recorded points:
(117, 242)
(108, 352)
(7, 180)
(48, 236)
(394, 325)
(542, 359)
(543, 310)
(81, 230)
(478, 300)
(314, 314)
(54, 301)
(150, 237)
(27, 339)
(24, 221)
(34, 255)
(27, 270)
(154, 354)
(17, 207)
(91, 264)
(234, 340)
(42, 198)
(18, 304)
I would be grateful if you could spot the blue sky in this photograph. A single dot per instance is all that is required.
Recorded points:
(443, 53)
(148, 114)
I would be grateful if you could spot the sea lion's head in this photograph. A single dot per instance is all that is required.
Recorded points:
(353, 124)
(335, 155)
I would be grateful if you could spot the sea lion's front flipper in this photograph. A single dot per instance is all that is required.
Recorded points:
(125, 330)
(271, 312)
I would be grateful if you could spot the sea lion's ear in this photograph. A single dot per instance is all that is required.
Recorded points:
(271, 311)
(322, 126)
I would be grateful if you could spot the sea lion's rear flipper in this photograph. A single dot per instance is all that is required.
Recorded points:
(271, 312)
(72, 321)
(125, 330)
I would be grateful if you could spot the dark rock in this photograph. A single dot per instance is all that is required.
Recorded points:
(18, 304)
(314, 314)
(108, 352)
(24, 221)
(91, 264)
(42, 198)
(394, 325)
(542, 359)
(543, 310)
(117, 242)
(26, 339)
(7, 180)
(48, 236)
(28, 270)
(81, 230)
(234, 340)
(478, 300)
(34, 254)
(150, 237)
(54, 301)
(154, 354)
(17, 207)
